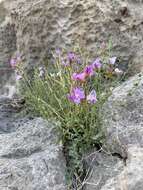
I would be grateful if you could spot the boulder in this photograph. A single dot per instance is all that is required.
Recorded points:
(123, 116)
(44, 25)
(119, 166)
(132, 175)
(102, 167)
(30, 156)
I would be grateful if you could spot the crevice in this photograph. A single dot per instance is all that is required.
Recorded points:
(124, 159)
(18, 154)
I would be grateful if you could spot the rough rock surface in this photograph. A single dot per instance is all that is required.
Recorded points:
(7, 48)
(103, 167)
(41, 25)
(110, 173)
(123, 123)
(30, 158)
(123, 116)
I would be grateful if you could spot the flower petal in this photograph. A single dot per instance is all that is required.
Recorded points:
(112, 60)
(91, 98)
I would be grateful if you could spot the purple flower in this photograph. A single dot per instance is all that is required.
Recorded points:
(78, 60)
(91, 98)
(112, 60)
(71, 56)
(58, 51)
(18, 57)
(97, 64)
(77, 95)
(79, 76)
(64, 63)
(89, 71)
(18, 77)
(13, 62)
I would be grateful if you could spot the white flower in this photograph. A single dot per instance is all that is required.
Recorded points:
(118, 71)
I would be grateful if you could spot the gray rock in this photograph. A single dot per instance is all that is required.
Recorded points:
(7, 48)
(111, 173)
(42, 25)
(30, 156)
(103, 167)
(123, 116)
(123, 124)
(132, 175)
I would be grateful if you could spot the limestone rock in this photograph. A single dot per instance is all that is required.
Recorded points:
(123, 116)
(111, 173)
(104, 167)
(132, 176)
(43, 25)
(123, 124)
(7, 47)
(30, 157)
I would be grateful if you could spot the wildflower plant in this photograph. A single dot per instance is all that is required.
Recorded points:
(72, 92)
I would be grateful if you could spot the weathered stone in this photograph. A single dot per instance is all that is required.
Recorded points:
(103, 167)
(123, 124)
(132, 175)
(7, 48)
(123, 116)
(30, 157)
(111, 173)
(43, 25)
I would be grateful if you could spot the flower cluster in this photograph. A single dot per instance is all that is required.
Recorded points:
(77, 95)
(80, 73)
(79, 80)
(88, 71)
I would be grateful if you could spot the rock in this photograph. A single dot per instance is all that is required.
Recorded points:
(30, 156)
(43, 25)
(103, 168)
(123, 116)
(111, 173)
(7, 48)
(132, 175)
(123, 124)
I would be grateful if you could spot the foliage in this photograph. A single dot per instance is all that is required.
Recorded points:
(72, 91)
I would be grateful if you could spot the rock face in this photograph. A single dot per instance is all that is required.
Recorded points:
(30, 158)
(45, 24)
(104, 167)
(123, 123)
(123, 116)
(7, 48)
(132, 175)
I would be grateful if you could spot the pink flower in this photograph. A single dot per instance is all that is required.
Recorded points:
(97, 64)
(112, 60)
(78, 60)
(89, 71)
(79, 77)
(91, 98)
(18, 77)
(64, 62)
(77, 95)
(13, 62)
(58, 51)
(71, 56)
